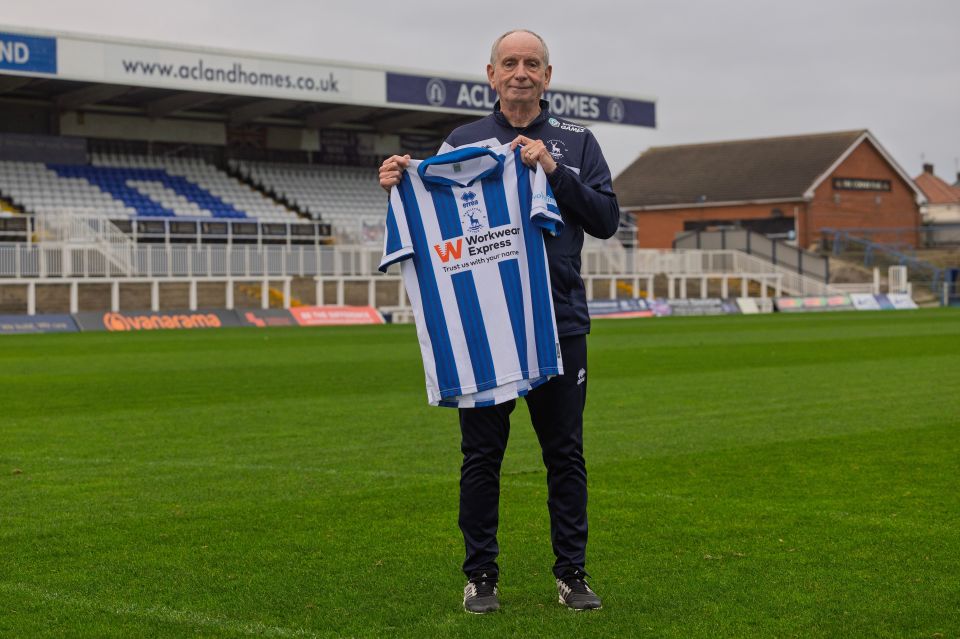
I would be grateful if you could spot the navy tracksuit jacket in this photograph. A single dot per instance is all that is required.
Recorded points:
(584, 194)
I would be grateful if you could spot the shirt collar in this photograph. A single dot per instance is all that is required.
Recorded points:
(456, 156)
(502, 119)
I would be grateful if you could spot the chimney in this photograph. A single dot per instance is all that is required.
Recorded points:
(958, 179)
(928, 168)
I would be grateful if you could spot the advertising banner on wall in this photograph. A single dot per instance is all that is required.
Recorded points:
(214, 71)
(694, 307)
(14, 324)
(748, 305)
(18, 147)
(335, 315)
(864, 302)
(431, 91)
(28, 53)
(619, 309)
(898, 301)
(128, 62)
(266, 317)
(133, 321)
(814, 303)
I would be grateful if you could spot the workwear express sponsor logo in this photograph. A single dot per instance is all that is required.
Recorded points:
(477, 245)
(232, 74)
(449, 250)
(28, 53)
(546, 199)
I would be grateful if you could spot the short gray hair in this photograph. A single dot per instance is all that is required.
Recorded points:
(496, 45)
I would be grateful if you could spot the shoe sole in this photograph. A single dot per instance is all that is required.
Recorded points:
(564, 604)
(481, 612)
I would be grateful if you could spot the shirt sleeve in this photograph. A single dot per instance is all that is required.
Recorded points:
(544, 212)
(397, 245)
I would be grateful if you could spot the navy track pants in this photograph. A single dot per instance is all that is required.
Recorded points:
(556, 410)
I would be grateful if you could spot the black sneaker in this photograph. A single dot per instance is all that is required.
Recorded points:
(480, 595)
(575, 593)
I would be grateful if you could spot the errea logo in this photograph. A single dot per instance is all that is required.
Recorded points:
(469, 198)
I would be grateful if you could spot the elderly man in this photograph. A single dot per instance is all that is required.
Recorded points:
(520, 71)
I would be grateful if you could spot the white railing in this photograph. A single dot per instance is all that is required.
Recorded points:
(51, 260)
(792, 282)
(86, 229)
(364, 230)
(699, 263)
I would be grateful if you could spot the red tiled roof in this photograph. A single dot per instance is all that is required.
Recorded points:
(936, 190)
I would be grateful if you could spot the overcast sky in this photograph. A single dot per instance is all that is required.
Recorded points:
(718, 70)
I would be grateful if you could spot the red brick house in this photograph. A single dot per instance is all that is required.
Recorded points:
(784, 187)
(943, 200)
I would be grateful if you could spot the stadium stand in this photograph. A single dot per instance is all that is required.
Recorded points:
(38, 189)
(6, 210)
(137, 186)
(337, 194)
(202, 184)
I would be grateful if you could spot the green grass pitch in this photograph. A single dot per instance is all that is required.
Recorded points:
(762, 476)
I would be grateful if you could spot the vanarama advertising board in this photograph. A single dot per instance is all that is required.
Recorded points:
(132, 321)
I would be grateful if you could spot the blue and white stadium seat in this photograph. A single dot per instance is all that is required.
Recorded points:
(335, 194)
(121, 186)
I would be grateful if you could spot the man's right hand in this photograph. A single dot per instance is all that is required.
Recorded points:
(391, 171)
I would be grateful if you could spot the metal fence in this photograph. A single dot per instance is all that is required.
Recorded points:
(19, 261)
(898, 238)
(164, 261)
(776, 252)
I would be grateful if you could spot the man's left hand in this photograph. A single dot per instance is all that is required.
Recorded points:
(534, 152)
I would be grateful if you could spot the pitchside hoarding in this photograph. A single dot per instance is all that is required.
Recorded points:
(14, 324)
(896, 301)
(694, 307)
(266, 317)
(814, 303)
(864, 302)
(619, 309)
(856, 301)
(335, 315)
(135, 321)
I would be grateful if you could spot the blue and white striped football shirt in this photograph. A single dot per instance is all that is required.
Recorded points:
(467, 227)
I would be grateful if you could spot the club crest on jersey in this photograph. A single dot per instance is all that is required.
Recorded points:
(557, 149)
(473, 219)
(449, 249)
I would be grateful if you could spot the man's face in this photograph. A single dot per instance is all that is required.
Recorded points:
(519, 75)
